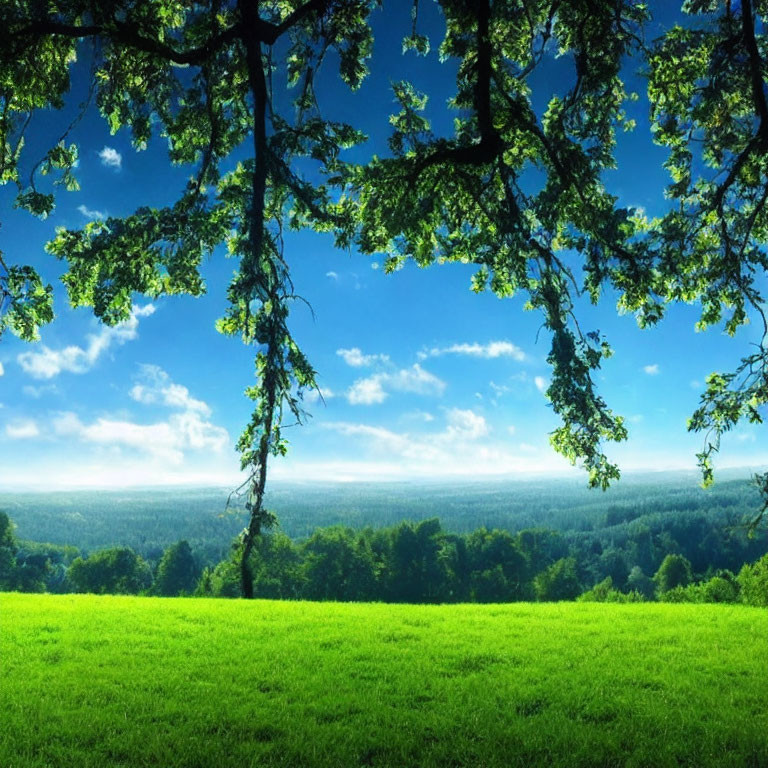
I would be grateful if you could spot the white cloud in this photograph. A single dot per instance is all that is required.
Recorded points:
(465, 424)
(511, 429)
(376, 388)
(47, 363)
(188, 428)
(463, 427)
(383, 438)
(333, 275)
(89, 213)
(488, 351)
(2, 370)
(367, 392)
(165, 440)
(158, 388)
(462, 448)
(356, 359)
(651, 370)
(21, 429)
(111, 158)
(541, 383)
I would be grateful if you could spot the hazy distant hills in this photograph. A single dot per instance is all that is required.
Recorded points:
(153, 518)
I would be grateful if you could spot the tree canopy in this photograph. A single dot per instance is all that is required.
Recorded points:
(518, 188)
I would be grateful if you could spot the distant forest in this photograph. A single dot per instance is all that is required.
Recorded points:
(148, 521)
(494, 543)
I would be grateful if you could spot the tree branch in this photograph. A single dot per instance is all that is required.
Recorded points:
(490, 145)
(755, 68)
(269, 33)
(126, 34)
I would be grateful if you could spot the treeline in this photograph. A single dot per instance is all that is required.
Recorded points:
(150, 521)
(409, 563)
(36, 567)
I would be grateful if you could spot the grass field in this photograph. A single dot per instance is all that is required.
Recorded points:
(119, 681)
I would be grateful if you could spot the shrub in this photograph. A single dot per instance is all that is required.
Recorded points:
(753, 581)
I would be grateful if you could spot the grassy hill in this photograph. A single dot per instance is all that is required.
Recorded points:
(120, 681)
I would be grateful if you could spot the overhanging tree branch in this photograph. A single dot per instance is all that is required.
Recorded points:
(126, 34)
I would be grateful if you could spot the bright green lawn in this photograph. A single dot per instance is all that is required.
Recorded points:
(120, 681)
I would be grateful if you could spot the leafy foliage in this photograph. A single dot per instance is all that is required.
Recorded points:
(675, 571)
(518, 189)
(110, 571)
(177, 571)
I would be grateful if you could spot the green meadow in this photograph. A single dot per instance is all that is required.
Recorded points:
(134, 681)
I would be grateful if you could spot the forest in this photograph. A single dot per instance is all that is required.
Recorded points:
(666, 540)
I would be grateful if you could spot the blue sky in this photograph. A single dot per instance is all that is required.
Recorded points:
(421, 378)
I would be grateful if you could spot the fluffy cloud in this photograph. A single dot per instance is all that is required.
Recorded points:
(367, 392)
(19, 430)
(464, 425)
(488, 351)
(541, 383)
(89, 213)
(376, 388)
(2, 370)
(383, 439)
(355, 358)
(189, 428)
(165, 440)
(157, 387)
(651, 370)
(111, 158)
(46, 363)
(332, 275)
(462, 447)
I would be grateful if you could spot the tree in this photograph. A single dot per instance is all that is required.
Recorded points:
(338, 566)
(201, 73)
(519, 183)
(674, 571)
(419, 570)
(638, 582)
(118, 571)
(558, 582)
(500, 568)
(8, 549)
(32, 571)
(722, 588)
(753, 582)
(177, 571)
